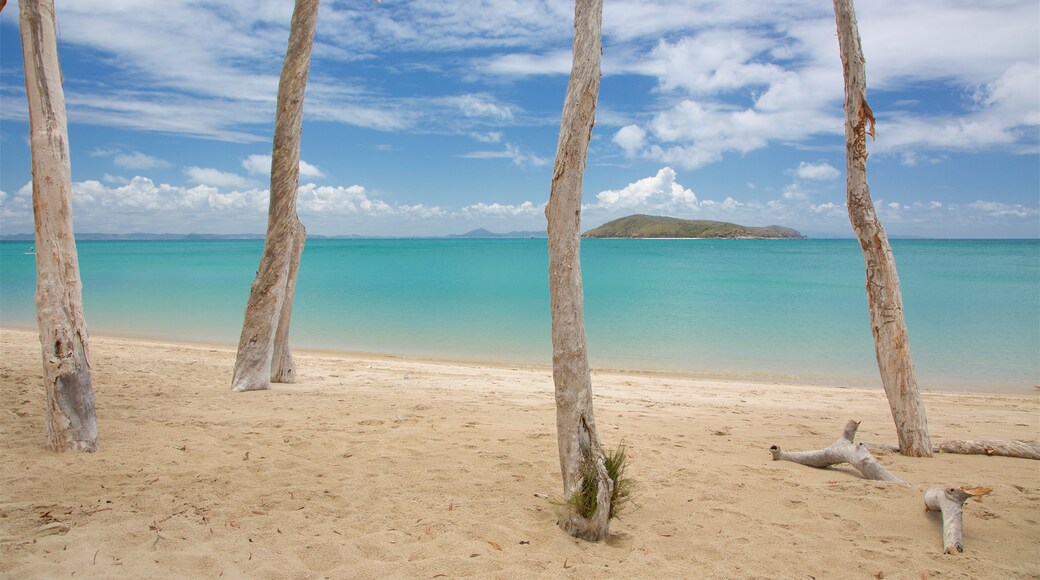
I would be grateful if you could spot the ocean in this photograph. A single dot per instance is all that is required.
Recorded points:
(764, 310)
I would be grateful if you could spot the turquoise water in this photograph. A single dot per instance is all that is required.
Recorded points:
(776, 310)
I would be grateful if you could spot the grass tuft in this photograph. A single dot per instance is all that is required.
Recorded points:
(584, 500)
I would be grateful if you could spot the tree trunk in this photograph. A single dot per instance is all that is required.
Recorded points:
(883, 294)
(576, 426)
(283, 367)
(70, 422)
(275, 277)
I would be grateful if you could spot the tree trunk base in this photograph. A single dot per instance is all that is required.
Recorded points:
(596, 527)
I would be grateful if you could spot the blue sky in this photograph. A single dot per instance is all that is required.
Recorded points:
(437, 117)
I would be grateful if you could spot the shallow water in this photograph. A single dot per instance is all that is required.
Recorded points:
(791, 310)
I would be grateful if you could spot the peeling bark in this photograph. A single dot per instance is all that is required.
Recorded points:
(844, 450)
(950, 501)
(576, 426)
(70, 422)
(884, 297)
(270, 297)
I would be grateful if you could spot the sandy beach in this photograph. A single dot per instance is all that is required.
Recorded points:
(375, 467)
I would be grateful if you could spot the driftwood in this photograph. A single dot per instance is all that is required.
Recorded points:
(949, 502)
(1019, 448)
(844, 450)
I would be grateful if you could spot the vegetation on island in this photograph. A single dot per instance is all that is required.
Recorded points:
(649, 226)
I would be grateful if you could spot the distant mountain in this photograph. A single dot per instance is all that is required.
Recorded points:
(482, 233)
(648, 226)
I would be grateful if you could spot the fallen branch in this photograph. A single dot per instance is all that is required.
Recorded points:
(841, 451)
(1019, 448)
(949, 502)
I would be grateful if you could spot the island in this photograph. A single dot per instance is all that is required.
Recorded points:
(649, 226)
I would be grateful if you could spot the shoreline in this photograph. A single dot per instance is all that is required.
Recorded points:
(758, 378)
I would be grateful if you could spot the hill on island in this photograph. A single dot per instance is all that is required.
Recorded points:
(649, 226)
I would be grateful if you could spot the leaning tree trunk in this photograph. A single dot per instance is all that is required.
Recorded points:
(275, 277)
(580, 452)
(883, 295)
(70, 422)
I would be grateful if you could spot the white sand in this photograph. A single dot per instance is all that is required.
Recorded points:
(381, 467)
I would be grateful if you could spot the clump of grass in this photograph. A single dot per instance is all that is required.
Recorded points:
(584, 500)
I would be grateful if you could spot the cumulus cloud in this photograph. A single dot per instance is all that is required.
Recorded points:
(631, 138)
(658, 192)
(143, 205)
(817, 171)
(261, 165)
(144, 195)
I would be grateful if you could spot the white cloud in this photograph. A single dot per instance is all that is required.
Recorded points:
(794, 192)
(651, 193)
(512, 152)
(489, 137)
(480, 105)
(743, 81)
(768, 70)
(998, 209)
(215, 178)
(524, 209)
(517, 64)
(261, 165)
(138, 160)
(116, 179)
(715, 61)
(631, 138)
(309, 171)
(817, 171)
(258, 164)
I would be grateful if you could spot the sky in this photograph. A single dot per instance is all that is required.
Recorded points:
(436, 117)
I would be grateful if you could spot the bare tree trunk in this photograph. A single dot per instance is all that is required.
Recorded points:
(70, 422)
(884, 297)
(268, 295)
(576, 426)
(283, 367)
